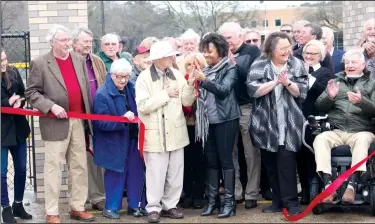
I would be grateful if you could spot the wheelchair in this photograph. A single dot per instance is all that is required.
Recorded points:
(340, 161)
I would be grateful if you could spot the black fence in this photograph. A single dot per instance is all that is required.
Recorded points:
(17, 49)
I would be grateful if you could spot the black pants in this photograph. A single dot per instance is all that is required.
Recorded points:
(281, 172)
(306, 165)
(242, 163)
(195, 167)
(219, 147)
(264, 183)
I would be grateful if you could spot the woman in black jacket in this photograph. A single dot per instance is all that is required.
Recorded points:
(217, 121)
(14, 132)
(313, 53)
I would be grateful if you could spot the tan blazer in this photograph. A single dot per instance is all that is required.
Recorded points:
(99, 69)
(46, 87)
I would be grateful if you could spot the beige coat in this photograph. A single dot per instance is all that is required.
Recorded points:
(46, 87)
(152, 102)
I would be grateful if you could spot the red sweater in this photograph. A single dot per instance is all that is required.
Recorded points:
(72, 85)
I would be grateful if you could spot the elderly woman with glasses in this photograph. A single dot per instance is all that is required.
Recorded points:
(115, 143)
(278, 82)
(313, 53)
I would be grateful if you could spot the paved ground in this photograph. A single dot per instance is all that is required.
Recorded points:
(356, 215)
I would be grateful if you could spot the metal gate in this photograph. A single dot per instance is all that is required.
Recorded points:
(17, 49)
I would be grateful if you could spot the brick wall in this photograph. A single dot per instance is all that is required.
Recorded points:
(42, 16)
(355, 14)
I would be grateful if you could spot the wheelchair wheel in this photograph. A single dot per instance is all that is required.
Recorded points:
(372, 199)
(314, 191)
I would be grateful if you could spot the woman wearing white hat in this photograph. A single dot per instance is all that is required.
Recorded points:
(161, 91)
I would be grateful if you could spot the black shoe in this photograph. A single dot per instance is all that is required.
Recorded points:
(197, 203)
(229, 202)
(267, 194)
(240, 201)
(153, 217)
(213, 193)
(8, 215)
(187, 203)
(251, 204)
(294, 210)
(19, 211)
(272, 209)
(305, 196)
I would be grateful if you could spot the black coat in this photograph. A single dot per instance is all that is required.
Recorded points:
(326, 63)
(14, 128)
(246, 54)
(322, 75)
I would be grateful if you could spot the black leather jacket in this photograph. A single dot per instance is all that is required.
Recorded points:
(223, 89)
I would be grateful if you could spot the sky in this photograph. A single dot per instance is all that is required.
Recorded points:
(280, 4)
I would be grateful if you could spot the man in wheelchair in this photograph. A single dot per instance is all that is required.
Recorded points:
(349, 101)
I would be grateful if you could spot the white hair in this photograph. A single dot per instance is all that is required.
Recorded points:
(301, 22)
(231, 27)
(372, 20)
(329, 32)
(190, 34)
(354, 51)
(110, 37)
(320, 45)
(76, 33)
(121, 66)
(56, 29)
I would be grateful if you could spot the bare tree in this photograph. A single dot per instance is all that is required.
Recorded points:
(13, 16)
(207, 16)
(325, 13)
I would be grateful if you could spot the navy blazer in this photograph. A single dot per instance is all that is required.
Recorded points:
(111, 139)
(338, 65)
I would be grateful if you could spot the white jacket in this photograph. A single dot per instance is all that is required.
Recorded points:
(152, 102)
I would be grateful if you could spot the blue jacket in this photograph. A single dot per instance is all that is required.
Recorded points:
(338, 65)
(111, 139)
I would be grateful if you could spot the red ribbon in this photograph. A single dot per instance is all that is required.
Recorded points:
(327, 192)
(83, 116)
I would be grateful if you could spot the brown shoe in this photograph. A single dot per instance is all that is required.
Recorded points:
(172, 213)
(53, 219)
(330, 198)
(153, 217)
(99, 206)
(81, 215)
(348, 196)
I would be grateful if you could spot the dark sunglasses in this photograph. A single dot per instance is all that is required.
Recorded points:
(251, 40)
(286, 31)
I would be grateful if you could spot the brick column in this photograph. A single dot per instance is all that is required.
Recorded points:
(42, 16)
(355, 14)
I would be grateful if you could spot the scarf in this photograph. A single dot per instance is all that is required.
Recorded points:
(202, 123)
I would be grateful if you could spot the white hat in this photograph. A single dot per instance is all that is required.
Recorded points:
(161, 49)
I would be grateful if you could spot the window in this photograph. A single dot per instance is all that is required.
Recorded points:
(265, 23)
(253, 24)
(277, 22)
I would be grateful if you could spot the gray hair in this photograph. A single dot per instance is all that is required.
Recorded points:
(56, 29)
(232, 27)
(190, 34)
(372, 20)
(320, 45)
(329, 32)
(110, 36)
(76, 33)
(121, 66)
(354, 51)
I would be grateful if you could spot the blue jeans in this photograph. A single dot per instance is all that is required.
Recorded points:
(19, 156)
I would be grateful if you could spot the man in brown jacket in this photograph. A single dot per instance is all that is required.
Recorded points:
(82, 44)
(58, 83)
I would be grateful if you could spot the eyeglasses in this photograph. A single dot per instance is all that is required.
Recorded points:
(310, 53)
(121, 77)
(285, 49)
(64, 40)
(251, 40)
(286, 31)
